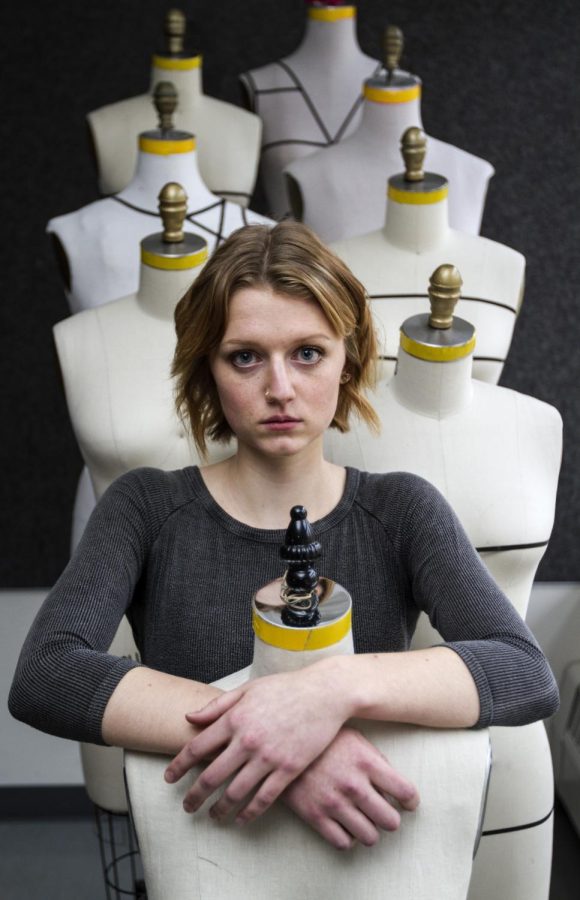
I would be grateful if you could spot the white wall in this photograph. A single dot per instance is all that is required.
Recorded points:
(28, 757)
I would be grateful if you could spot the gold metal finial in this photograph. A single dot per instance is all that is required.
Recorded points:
(393, 42)
(175, 24)
(413, 149)
(165, 102)
(444, 290)
(173, 209)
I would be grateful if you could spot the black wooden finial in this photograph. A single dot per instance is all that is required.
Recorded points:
(299, 587)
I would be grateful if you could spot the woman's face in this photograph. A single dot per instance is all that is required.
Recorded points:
(277, 371)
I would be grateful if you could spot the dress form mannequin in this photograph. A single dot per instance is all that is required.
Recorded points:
(229, 137)
(115, 361)
(310, 99)
(339, 192)
(495, 455)
(395, 262)
(96, 243)
(278, 855)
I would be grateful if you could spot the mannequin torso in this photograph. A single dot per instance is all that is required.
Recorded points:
(310, 99)
(229, 137)
(115, 362)
(340, 193)
(494, 454)
(98, 241)
(395, 262)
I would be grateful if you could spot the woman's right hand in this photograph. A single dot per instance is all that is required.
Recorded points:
(351, 792)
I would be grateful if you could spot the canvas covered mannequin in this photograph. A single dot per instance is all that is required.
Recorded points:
(394, 264)
(310, 99)
(339, 193)
(194, 856)
(229, 137)
(115, 362)
(495, 455)
(95, 245)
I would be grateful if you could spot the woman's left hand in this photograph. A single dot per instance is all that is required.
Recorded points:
(264, 734)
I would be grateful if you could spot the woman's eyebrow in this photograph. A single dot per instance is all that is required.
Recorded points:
(301, 339)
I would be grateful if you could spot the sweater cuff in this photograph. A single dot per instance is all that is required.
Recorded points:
(481, 682)
(102, 696)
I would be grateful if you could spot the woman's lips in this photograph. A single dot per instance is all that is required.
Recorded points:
(280, 423)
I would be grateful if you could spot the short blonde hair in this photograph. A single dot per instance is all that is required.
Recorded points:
(289, 259)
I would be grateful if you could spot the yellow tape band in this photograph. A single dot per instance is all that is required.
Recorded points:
(390, 95)
(173, 263)
(287, 638)
(166, 148)
(177, 65)
(436, 354)
(419, 198)
(332, 14)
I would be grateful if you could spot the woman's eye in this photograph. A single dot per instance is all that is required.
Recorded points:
(244, 358)
(309, 355)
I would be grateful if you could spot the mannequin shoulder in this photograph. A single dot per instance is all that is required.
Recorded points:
(239, 123)
(83, 221)
(442, 155)
(531, 416)
(83, 335)
(123, 116)
(362, 250)
(272, 76)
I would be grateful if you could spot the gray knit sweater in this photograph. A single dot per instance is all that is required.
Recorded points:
(159, 548)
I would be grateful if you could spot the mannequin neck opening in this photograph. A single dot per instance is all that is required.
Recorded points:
(433, 389)
(416, 227)
(184, 74)
(155, 169)
(389, 120)
(160, 289)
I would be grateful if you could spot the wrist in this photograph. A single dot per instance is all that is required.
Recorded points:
(340, 681)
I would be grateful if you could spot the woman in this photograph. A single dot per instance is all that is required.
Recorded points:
(274, 344)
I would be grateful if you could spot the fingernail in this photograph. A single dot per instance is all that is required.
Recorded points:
(188, 808)
(169, 777)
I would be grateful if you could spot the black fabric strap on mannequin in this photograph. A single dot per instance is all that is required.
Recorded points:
(502, 548)
(190, 216)
(426, 297)
(299, 87)
(518, 827)
(495, 359)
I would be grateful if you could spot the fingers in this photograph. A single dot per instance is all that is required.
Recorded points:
(264, 797)
(199, 748)
(215, 708)
(212, 778)
(394, 785)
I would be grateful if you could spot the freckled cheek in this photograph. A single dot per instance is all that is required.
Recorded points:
(236, 400)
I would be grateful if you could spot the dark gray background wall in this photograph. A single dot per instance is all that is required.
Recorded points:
(500, 80)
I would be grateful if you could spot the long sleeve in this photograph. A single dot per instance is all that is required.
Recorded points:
(65, 676)
(477, 621)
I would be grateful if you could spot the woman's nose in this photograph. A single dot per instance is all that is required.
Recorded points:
(279, 384)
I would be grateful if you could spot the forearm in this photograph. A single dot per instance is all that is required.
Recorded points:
(431, 687)
(146, 711)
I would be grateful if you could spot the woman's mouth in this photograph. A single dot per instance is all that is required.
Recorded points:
(280, 423)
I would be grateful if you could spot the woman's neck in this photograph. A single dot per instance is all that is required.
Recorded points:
(330, 38)
(434, 389)
(160, 290)
(260, 491)
(416, 227)
(187, 81)
(153, 170)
